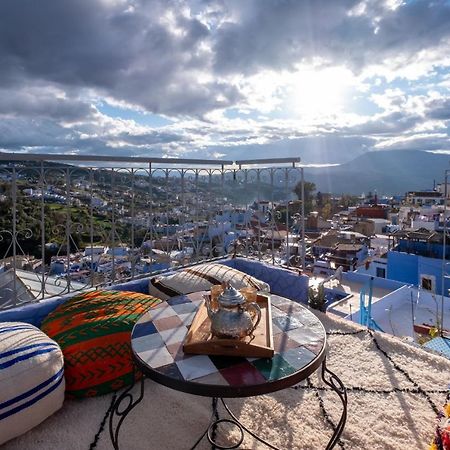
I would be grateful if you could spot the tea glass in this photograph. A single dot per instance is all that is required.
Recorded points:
(250, 293)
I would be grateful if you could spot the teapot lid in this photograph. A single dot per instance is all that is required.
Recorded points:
(230, 296)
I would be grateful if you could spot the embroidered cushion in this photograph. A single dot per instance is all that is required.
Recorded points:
(31, 378)
(93, 330)
(201, 278)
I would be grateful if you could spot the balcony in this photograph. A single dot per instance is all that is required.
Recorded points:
(67, 227)
(141, 220)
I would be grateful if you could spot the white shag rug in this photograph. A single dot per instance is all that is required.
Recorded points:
(390, 406)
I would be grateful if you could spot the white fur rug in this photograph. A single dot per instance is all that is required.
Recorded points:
(389, 406)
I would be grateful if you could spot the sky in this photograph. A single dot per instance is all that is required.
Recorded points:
(323, 80)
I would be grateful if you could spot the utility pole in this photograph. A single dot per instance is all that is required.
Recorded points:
(444, 251)
(303, 220)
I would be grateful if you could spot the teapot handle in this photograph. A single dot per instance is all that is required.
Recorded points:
(257, 310)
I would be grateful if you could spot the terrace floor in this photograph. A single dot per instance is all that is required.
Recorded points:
(351, 290)
(394, 393)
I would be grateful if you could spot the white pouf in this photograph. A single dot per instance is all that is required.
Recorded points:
(31, 378)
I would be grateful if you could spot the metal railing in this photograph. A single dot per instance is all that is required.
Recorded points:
(68, 226)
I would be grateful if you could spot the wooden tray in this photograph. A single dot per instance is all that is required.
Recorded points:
(200, 341)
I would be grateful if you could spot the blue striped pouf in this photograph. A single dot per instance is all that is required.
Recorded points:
(31, 378)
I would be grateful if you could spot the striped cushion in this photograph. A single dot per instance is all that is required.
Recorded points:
(93, 330)
(201, 278)
(31, 378)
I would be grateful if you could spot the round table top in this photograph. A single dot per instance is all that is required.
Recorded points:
(157, 343)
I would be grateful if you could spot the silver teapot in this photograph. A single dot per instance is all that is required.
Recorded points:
(232, 318)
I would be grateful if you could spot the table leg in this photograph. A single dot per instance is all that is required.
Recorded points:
(119, 412)
(332, 380)
(211, 430)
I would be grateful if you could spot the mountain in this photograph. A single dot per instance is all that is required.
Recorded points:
(387, 172)
(312, 150)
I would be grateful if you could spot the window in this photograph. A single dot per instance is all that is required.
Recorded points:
(427, 282)
(381, 272)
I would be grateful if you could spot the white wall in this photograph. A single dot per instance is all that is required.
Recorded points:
(394, 312)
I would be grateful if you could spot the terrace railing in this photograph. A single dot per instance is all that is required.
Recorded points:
(72, 222)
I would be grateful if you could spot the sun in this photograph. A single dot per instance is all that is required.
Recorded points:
(317, 93)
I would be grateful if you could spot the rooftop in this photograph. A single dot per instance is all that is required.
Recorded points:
(350, 290)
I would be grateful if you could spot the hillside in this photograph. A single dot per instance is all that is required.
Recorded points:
(387, 172)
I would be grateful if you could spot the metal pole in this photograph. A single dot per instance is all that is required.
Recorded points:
(303, 219)
(14, 234)
(444, 241)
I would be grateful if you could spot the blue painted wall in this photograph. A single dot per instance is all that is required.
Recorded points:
(423, 248)
(402, 267)
(408, 268)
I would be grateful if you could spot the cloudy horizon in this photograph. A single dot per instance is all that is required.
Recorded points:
(326, 81)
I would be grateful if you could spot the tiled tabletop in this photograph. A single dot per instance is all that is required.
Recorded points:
(157, 343)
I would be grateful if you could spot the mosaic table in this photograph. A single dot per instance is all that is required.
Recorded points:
(300, 346)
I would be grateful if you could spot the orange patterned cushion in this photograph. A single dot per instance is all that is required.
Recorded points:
(93, 330)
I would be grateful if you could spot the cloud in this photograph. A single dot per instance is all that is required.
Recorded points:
(254, 78)
(43, 101)
(279, 35)
(147, 53)
(439, 109)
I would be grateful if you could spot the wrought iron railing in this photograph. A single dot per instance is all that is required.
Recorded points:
(66, 226)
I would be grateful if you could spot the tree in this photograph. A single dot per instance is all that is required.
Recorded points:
(309, 189)
(319, 199)
(326, 211)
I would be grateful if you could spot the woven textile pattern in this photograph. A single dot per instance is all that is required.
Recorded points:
(31, 378)
(93, 330)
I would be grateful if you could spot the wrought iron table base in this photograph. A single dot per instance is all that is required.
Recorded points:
(210, 432)
(337, 386)
(118, 414)
(121, 413)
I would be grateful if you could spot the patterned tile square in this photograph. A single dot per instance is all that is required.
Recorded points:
(276, 329)
(146, 317)
(273, 368)
(277, 301)
(281, 342)
(286, 323)
(198, 302)
(165, 311)
(156, 357)
(143, 329)
(213, 378)
(222, 362)
(291, 308)
(185, 308)
(196, 367)
(171, 370)
(176, 350)
(315, 347)
(174, 335)
(178, 300)
(197, 297)
(243, 375)
(187, 319)
(305, 336)
(307, 318)
(298, 357)
(149, 342)
(167, 323)
(277, 312)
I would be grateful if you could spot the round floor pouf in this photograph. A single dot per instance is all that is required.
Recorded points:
(31, 378)
(93, 330)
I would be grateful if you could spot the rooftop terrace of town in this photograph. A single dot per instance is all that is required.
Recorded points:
(394, 390)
